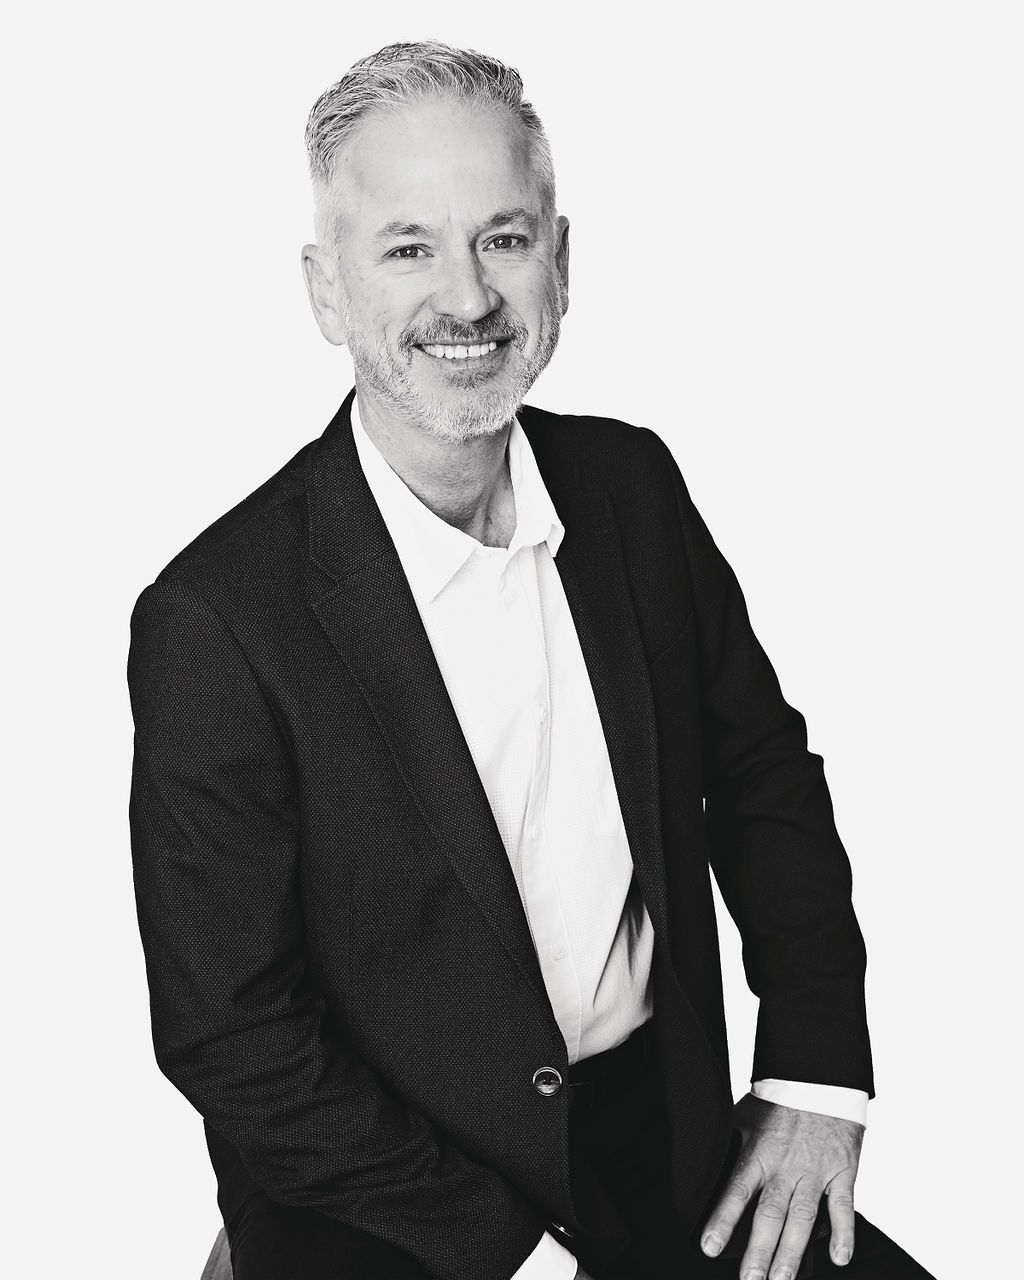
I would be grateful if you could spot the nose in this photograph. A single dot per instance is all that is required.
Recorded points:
(463, 290)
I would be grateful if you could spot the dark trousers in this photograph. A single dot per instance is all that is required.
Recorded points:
(618, 1137)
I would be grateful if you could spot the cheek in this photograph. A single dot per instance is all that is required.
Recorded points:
(385, 306)
(534, 299)
(531, 289)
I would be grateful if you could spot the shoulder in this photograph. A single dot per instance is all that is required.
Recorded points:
(603, 452)
(256, 543)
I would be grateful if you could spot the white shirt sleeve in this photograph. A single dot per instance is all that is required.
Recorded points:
(827, 1099)
(549, 1261)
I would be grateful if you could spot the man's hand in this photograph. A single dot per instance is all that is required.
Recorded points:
(792, 1157)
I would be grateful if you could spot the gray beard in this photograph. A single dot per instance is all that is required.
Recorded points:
(482, 412)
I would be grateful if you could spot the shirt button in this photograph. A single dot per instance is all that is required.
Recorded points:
(534, 833)
(547, 1080)
(558, 952)
(543, 714)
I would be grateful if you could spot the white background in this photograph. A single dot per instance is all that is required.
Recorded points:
(796, 253)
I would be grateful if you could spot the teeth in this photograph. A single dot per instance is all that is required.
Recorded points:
(459, 352)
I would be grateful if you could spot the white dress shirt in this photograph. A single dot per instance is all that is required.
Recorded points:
(505, 642)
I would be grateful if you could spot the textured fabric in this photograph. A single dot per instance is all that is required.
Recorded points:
(270, 1241)
(342, 976)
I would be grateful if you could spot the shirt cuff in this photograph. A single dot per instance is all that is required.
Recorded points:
(827, 1099)
(549, 1261)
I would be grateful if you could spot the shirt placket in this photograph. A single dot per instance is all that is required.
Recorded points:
(540, 844)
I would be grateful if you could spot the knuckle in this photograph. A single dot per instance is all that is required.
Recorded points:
(803, 1210)
(773, 1208)
(737, 1191)
(841, 1199)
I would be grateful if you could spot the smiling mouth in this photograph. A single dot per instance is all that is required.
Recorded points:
(460, 351)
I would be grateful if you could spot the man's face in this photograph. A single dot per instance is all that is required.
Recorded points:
(452, 275)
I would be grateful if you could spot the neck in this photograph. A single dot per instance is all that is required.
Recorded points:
(465, 483)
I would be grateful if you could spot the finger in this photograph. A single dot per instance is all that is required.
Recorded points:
(729, 1209)
(769, 1219)
(840, 1212)
(803, 1210)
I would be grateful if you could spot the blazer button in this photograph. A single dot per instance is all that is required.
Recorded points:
(547, 1080)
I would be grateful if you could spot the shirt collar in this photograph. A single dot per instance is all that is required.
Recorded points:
(433, 551)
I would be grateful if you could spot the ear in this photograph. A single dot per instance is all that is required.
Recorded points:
(562, 258)
(320, 272)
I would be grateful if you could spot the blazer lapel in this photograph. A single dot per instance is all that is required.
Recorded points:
(360, 594)
(592, 569)
(591, 564)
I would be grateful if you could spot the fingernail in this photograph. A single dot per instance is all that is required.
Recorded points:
(752, 1275)
(841, 1256)
(711, 1245)
(784, 1274)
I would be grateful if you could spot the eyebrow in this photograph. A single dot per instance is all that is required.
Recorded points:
(499, 219)
(403, 229)
(518, 214)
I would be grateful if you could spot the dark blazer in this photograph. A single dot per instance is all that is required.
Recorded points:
(341, 973)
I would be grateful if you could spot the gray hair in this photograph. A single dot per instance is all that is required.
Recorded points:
(404, 73)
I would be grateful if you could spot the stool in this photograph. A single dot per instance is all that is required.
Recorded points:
(218, 1264)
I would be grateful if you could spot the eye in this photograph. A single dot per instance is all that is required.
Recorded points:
(408, 252)
(506, 241)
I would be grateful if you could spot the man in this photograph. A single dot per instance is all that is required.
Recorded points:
(437, 735)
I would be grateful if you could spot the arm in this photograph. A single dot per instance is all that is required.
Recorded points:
(786, 881)
(775, 851)
(238, 1024)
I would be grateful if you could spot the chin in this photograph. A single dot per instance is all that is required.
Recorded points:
(476, 416)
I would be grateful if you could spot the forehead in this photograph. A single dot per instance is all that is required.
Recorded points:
(435, 162)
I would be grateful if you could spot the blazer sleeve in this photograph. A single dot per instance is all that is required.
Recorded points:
(777, 857)
(238, 1024)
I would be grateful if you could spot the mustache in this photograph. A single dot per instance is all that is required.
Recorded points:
(450, 332)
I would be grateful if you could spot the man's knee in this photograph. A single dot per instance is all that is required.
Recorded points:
(270, 1241)
(875, 1257)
